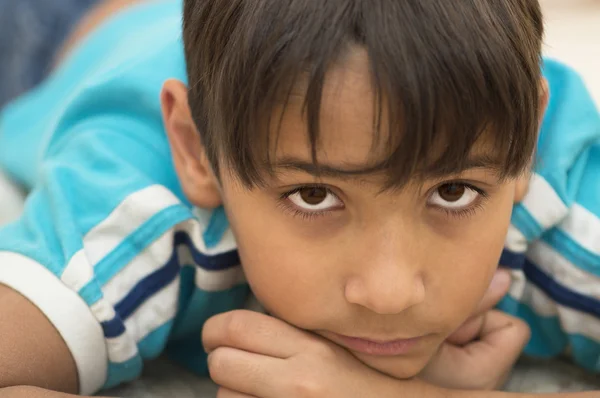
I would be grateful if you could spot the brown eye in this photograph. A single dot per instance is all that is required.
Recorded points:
(454, 196)
(313, 195)
(452, 192)
(314, 199)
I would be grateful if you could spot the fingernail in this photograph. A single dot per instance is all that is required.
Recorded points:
(501, 280)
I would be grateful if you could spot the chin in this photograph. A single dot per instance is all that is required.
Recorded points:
(401, 367)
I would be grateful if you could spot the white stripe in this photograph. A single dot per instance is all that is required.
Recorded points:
(129, 215)
(584, 227)
(147, 262)
(518, 283)
(216, 281)
(162, 306)
(563, 271)
(154, 312)
(543, 203)
(571, 321)
(575, 322)
(195, 232)
(69, 314)
(212, 280)
(159, 252)
(103, 311)
(78, 272)
(516, 242)
(122, 348)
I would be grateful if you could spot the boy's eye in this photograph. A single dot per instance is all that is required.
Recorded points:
(454, 196)
(314, 199)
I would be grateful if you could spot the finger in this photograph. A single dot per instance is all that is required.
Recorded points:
(226, 393)
(503, 337)
(245, 372)
(496, 291)
(483, 363)
(469, 331)
(253, 332)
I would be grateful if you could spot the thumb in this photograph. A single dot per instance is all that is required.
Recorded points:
(496, 291)
(472, 326)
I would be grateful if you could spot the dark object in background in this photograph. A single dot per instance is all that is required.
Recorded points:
(31, 32)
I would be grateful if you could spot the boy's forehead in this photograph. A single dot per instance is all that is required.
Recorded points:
(347, 119)
(347, 145)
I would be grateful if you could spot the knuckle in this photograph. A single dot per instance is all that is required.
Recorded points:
(235, 326)
(217, 365)
(308, 387)
(523, 328)
(322, 350)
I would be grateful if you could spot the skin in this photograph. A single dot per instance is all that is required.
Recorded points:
(364, 267)
(341, 295)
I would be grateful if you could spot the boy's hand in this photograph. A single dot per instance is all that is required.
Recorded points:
(481, 353)
(471, 329)
(255, 355)
(483, 364)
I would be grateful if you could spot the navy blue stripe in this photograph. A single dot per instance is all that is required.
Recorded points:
(156, 281)
(148, 286)
(215, 262)
(559, 293)
(113, 328)
(512, 260)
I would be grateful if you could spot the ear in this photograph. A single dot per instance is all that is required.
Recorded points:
(523, 181)
(199, 183)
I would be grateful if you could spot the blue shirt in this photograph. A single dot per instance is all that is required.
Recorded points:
(125, 268)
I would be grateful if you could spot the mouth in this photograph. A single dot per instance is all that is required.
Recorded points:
(382, 348)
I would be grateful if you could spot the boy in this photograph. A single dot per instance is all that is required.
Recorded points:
(360, 159)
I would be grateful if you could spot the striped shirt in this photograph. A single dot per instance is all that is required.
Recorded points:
(126, 269)
(553, 244)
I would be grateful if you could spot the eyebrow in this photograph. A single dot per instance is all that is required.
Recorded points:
(349, 171)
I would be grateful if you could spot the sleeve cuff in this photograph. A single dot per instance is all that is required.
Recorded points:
(66, 310)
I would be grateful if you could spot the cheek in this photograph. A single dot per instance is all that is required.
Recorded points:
(465, 265)
(292, 278)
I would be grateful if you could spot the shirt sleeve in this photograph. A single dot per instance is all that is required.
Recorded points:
(95, 247)
(552, 246)
(569, 130)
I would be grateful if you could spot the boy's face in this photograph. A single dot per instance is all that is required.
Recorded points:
(338, 256)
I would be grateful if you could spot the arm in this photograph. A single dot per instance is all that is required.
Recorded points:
(260, 356)
(32, 353)
(34, 358)
(494, 394)
(410, 388)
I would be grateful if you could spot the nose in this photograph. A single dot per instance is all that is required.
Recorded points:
(388, 282)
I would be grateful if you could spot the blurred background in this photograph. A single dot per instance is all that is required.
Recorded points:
(32, 30)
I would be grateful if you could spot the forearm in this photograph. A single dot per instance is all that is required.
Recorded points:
(417, 388)
(32, 352)
(500, 394)
(32, 392)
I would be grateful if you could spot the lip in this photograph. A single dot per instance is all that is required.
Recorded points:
(378, 347)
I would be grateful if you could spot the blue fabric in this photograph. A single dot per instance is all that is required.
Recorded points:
(555, 255)
(106, 213)
(108, 218)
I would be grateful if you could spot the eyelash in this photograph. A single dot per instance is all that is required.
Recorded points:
(459, 214)
(304, 215)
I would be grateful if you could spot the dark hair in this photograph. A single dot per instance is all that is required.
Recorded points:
(448, 71)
